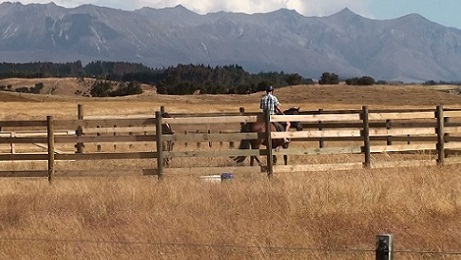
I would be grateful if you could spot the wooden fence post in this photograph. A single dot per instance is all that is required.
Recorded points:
(220, 142)
(12, 146)
(366, 137)
(98, 146)
(130, 133)
(185, 143)
(199, 144)
(446, 123)
(440, 135)
(159, 143)
(242, 113)
(270, 162)
(115, 133)
(388, 127)
(321, 141)
(50, 135)
(79, 130)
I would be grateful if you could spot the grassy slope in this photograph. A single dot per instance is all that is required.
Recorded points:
(307, 97)
(186, 218)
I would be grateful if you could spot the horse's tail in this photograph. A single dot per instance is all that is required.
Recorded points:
(244, 144)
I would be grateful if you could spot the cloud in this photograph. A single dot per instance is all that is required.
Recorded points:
(304, 7)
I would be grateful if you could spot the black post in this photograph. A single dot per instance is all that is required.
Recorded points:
(440, 135)
(384, 247)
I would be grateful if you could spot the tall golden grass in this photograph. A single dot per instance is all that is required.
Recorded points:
(316, 215)
(319, 215)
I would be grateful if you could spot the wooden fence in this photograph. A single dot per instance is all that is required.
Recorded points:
(340, 132)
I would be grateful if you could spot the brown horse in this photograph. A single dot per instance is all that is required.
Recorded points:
(260, 127)
(167, 145)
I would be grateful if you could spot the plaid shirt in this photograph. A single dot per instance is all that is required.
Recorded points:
(269, 102)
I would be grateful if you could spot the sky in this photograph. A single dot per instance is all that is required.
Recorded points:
(444, 12)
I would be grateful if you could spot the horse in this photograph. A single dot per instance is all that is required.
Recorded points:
(260, 127)
(167, 145)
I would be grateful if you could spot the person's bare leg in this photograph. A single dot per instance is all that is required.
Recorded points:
(287, 129)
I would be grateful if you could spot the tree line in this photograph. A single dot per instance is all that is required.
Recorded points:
(124, 78)
(329, 78)
(177, 80)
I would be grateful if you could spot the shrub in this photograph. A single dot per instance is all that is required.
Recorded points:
(363, 81)
(132, 88)
(100, 89)
(329, 78)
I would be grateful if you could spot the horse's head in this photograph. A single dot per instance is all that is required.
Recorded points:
(294, 111)
(166, 128)
(165, 115)
(285, 145)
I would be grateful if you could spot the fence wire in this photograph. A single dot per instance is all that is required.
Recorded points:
(229, 246)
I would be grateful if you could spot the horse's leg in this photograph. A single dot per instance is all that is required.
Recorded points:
(164, 148)
(285, 159)
(168, 146)
(261, 165)
(274, 159)
(257, 160)
(254, 158)
(254, 145)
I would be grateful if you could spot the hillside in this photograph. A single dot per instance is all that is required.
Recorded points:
(60, 97)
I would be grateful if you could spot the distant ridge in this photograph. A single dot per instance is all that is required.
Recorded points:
(410, 48)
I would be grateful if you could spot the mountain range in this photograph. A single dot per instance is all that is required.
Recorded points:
(410, 48)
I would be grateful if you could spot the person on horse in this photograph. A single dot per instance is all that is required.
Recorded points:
(271, 103)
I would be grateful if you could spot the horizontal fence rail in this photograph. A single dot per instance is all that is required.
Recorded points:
(356, 132)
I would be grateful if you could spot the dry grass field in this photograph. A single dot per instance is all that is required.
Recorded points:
(316, 215)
